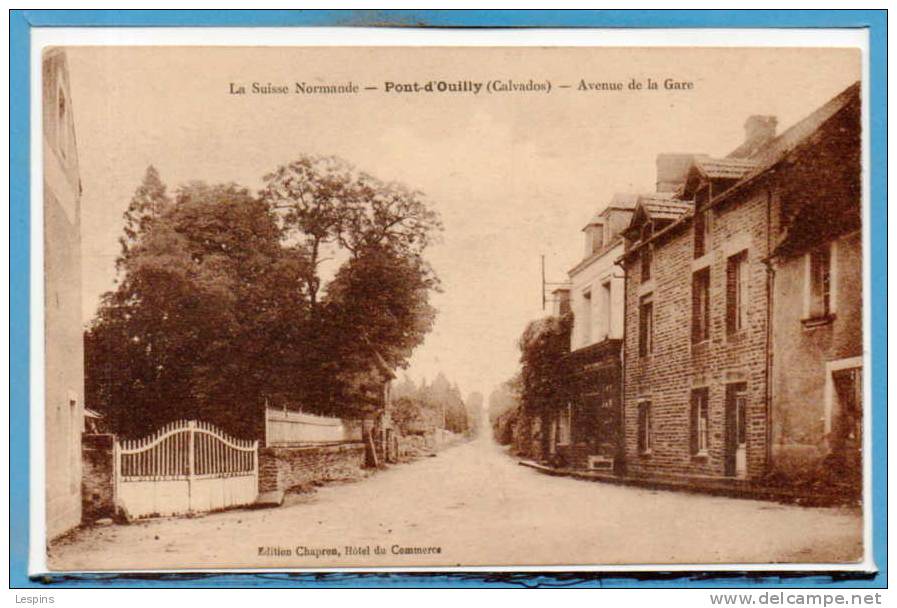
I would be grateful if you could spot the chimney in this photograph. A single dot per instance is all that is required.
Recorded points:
(561, 301)
(759, 130)
(671, 170)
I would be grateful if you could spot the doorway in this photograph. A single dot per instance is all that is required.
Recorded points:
(736, 430)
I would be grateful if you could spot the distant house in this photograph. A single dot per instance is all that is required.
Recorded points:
(64, 388)
(742, 351)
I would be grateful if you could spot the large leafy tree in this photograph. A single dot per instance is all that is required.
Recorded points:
(195, 324)
(218, 306)
(326, 202)
(376, 309)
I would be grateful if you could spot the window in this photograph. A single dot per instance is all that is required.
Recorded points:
(700, 306)
(699, 234)
(647, 231)
(597, 238)
(645, 259)
(646, 326)
(646, 262)
(702, 231)
(700, 421)
(820, 282)
(736, 293)
(645, 434)
(606, 300)
(586, 324)
(564, 425)
(62, 124)
(73, 438)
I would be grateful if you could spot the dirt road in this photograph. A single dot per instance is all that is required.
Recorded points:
(473, 505)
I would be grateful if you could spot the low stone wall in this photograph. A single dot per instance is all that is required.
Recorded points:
(97, 495)
(284, 468)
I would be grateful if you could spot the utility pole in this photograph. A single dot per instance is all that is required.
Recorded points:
(546, 284)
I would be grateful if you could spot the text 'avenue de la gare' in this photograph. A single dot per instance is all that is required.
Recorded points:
(468, 87)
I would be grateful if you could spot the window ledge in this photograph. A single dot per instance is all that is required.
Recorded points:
(645, 453)
(700, 456)
(735, 336)
(701, 262)
(812, 322)
(700, 348)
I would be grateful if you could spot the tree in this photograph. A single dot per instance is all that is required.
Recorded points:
(203, 310)
(376, 305)
(545, 369)
(218, 308)
(148, 202)
(326, 201)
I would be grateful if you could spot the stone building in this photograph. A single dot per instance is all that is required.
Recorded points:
(704, 328)
(817, 320)
(64, 396)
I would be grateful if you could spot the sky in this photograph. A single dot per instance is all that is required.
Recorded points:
(513, 175)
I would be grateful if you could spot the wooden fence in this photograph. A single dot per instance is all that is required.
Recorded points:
(286, 428)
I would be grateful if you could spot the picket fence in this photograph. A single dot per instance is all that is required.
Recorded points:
(184, 467)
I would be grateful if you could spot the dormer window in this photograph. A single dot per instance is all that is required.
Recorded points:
(646, 252)
(594, 239)
(646, 262)
(702, 222)
(647, 231)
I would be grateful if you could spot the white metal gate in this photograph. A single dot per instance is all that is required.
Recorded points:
(186, 466)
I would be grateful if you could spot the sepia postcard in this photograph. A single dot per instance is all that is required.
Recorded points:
(521, 307)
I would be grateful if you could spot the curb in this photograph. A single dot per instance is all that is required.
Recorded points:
(694, 486)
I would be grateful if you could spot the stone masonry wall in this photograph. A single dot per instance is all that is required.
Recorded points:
(283, 468)
(667, 376)
(97, 494)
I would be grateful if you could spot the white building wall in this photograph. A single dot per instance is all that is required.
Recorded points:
(600, 323)
(64, 397)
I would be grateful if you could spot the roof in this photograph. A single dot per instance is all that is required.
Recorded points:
(620, 200)
(797, 134)
(724, 168)
(657, 206)
(766, 157)
(663, 209)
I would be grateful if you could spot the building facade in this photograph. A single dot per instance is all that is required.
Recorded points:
(711, 351)
(587, 433)
(817, 320)
(64, 343)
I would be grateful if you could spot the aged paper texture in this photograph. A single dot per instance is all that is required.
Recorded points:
(314, 308)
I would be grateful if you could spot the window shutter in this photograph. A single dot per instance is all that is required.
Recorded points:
(693, 426)
(641, 331)
(642, 426)
(695, 309)
(732, 294)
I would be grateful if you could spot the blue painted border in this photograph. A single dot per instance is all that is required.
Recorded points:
(22, 21)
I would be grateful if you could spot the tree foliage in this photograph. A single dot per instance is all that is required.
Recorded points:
(545, 373)
(426, 407)
(149, 201)
(327, 201)
(216, 310)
